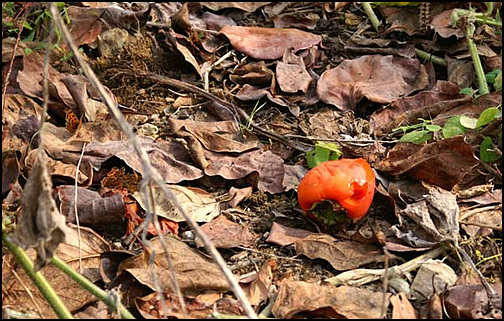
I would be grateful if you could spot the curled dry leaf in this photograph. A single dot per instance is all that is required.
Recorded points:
(268, 43)
(284, 235)
(91, 207)
(267, 167)
(41, 226)
(380, 79)
(258, 290)
(431, 214)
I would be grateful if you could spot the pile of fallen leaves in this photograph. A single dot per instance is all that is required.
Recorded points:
(228, 99)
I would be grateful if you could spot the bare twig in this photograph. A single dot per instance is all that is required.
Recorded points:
(150, 173)
(75, 205)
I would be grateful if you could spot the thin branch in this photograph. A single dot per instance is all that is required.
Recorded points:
(38, 279)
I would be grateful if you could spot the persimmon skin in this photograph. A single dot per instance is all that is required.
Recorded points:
(349, 182)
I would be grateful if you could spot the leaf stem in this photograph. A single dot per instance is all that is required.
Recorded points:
(371, 15)
(91, 288)
(38, 279)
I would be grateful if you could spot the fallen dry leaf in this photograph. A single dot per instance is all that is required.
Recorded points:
(342, 255)
(199, 204)
(268, 43)
(41, 225)
(380, 79)
(430, 215)
(150, 307)
(258, 290)
(401, 307)
(267, 168)
(226, 234)
(245, 6)
(194, 272)
(284, 235)
(452, 159)
(426, 104)
(303, 299)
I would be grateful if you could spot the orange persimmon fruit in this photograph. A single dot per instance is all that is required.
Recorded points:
(347, 185)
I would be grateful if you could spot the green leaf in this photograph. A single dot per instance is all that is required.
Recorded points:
(28, 51)
(487, 153)
(417, 137)
(467, 91)
(452, 127)
(498, 82)
(322, 152)
(490, 77)
(468, 122)
(433, 128)
(488, 115)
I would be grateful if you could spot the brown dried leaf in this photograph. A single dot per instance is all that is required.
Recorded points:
(303, 299)
(150, 307)
(380, 79)
(268, 43)
(431, 214)
(401, 307)
(451, 158)
(91, 207)
(169, 158)
(342, 255)
(267, 167)
(40, 226)
(292, 78)
(292, 20)
(89, 248)
(245, 6)
(200, 205)
(195, 273)
(258, 290)
(221, 136)
(10, 170)
(226, 234)
(441, 23)
(284, 235)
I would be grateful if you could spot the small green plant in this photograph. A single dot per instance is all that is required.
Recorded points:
(418, 133)
(254, 111)
(321, 153)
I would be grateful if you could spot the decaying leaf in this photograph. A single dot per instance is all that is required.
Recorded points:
(200, 205)
(401, 307)
(268, 43)
(432, 277)
(342, 255)
(284, 235)
(303, 299)
(258, 290)
(430, 215)
(41, 226)
(380, 79)
(443, 163)
(226, 234)
(194, 272)
(150, 307)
